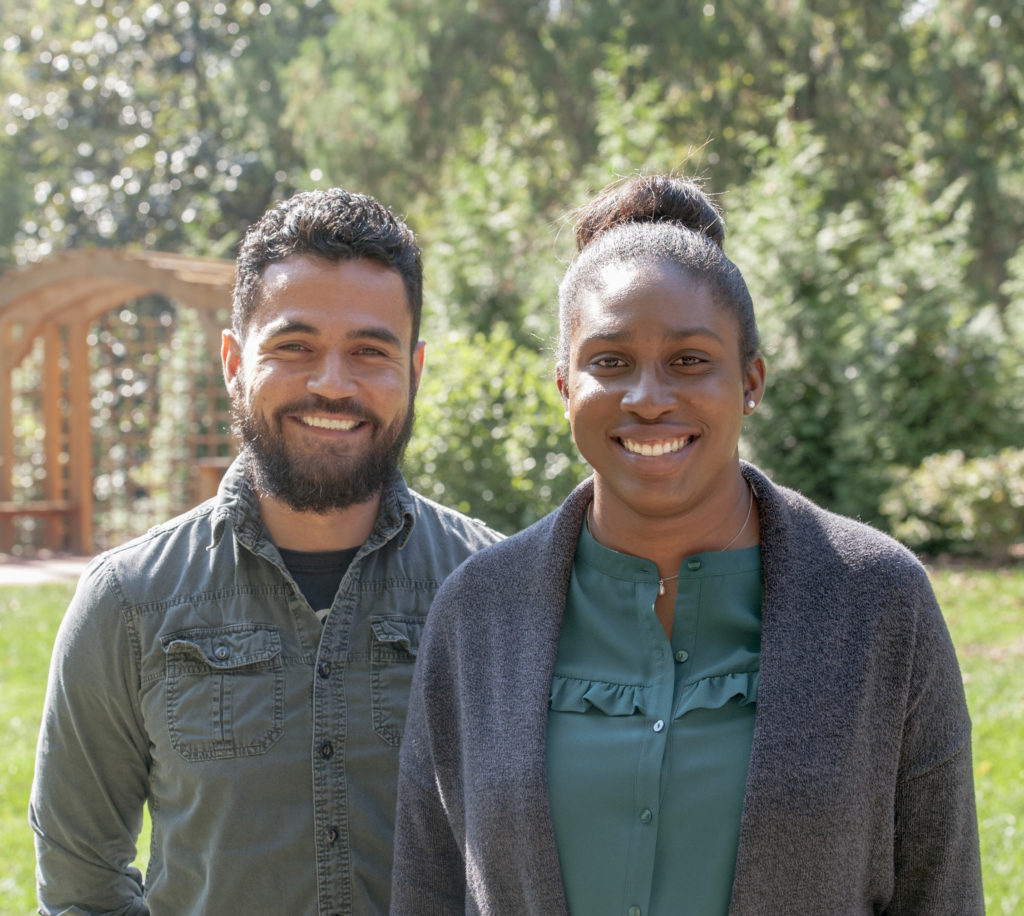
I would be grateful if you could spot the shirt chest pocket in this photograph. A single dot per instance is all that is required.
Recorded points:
(225, 690)
(392, 659)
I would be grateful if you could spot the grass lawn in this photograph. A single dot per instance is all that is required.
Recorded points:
(985, 610)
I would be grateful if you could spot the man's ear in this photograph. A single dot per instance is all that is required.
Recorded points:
(230, 359)
(417, 364)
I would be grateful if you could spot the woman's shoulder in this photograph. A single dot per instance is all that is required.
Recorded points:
(804, 528)
(550, 536)
(529, 566)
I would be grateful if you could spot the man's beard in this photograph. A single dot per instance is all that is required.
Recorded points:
(322, 480)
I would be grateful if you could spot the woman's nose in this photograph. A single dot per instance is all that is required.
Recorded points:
(648, 395)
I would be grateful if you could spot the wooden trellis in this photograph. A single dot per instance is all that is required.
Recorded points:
(57, 304)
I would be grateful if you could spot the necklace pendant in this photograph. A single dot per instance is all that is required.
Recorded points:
(661, 586)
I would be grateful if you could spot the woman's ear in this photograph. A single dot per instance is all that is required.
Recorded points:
(754, 384)
(562, 389)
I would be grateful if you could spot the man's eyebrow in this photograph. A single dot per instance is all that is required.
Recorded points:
(384, 335)
(372, 332)
(286, 326)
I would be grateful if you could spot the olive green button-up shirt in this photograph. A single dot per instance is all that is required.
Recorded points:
(649, 738)
(190, 674)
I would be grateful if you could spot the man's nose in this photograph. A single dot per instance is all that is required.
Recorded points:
(332, 377)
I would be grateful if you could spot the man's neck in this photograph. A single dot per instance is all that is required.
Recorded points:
(318, 531)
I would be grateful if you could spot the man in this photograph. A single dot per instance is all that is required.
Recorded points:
(243, 669)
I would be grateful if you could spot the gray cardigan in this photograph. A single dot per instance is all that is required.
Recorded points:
(859, 796)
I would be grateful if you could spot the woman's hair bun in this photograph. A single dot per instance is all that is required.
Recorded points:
(649, 199)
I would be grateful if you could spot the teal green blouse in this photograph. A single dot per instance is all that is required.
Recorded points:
(649, 740)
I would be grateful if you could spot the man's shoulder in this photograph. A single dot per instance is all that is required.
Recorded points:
(173, 541)
(445, 521)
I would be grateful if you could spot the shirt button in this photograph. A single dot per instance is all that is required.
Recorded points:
(633, 911)
(659, 725)
(324, 669)
(693, 565)
(332, 835)
(682, 655)
(646, 816)
(221, 653)
(326, 750)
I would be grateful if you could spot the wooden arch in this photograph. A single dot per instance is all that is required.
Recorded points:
(57, 299)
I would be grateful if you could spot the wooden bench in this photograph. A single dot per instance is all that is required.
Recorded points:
(57, 509)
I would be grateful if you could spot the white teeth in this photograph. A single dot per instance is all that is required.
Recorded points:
(324, 423)
(654, 449)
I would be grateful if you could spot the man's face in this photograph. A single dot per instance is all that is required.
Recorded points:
(322, 387)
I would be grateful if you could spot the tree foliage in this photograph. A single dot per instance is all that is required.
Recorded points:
(867, 156)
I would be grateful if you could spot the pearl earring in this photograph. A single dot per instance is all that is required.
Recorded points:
(751, 404)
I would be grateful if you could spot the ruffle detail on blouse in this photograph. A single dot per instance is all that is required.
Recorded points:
(716, 691)
(569, 694)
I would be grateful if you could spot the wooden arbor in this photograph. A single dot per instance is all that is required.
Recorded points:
(57, 299)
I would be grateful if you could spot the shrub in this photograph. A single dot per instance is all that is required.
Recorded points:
(490, 437)
(967, 507)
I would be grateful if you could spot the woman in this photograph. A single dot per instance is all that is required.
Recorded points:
(687, 690)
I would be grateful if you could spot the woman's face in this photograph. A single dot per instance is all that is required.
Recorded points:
(656, 391)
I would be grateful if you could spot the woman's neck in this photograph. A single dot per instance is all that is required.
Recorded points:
(727, 520)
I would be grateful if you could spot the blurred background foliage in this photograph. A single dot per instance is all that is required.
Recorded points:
(867, 156)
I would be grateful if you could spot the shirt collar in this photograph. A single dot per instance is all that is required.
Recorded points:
(238, 505)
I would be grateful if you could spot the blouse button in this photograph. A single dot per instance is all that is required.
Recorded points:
(633, 911)
(221, 653)
(694, 565)
(659, 725)
(646, 816)
(682, 655)
(324, 669)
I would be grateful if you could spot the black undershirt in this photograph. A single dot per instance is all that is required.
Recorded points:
(318, 574)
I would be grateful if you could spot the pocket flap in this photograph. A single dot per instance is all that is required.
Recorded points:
(225, 647)
(398, 632)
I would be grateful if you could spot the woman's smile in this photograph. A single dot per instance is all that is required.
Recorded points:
(655, 448)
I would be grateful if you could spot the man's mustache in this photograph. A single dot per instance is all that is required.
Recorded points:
(347, 407)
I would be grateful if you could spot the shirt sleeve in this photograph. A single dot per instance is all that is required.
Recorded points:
(937, 857)
(92, 762)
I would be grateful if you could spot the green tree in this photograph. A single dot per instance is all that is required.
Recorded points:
(877, 354)
(142, 124)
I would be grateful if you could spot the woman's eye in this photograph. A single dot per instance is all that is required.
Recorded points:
(608, 362)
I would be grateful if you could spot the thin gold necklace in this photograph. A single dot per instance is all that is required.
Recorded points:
(732, 540)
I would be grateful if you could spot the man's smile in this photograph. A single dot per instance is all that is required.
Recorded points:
(332, 423)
